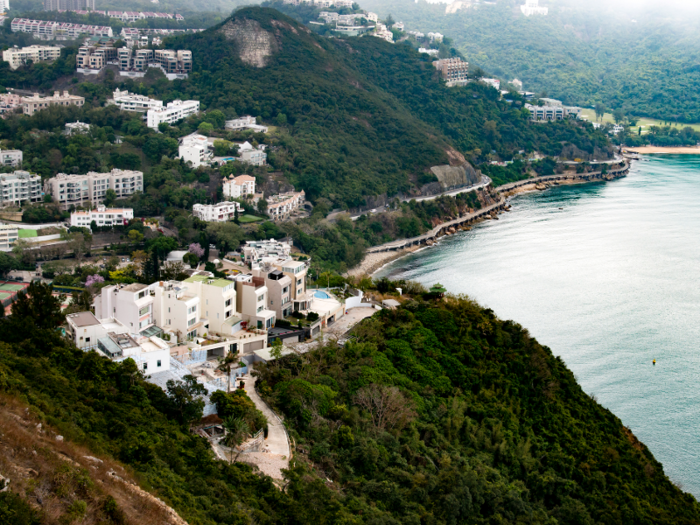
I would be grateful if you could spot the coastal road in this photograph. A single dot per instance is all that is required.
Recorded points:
(485, 181)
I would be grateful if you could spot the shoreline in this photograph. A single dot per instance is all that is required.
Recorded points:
(663, 150)
(375, 261)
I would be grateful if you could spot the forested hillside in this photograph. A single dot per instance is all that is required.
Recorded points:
(437, 413)
(639, 58)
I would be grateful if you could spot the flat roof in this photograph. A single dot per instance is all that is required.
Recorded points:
(215, 281)
(82, 319)
(135, 287)
(232, 321)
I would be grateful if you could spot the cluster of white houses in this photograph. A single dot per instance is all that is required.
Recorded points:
(175, 64)
(198, 150)
(47, 30)
(10, 101)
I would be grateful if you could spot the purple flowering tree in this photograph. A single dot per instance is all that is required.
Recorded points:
(196, 249)
(94, 279)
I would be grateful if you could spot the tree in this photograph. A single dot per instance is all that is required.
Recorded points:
(236, 218)
(226, 364)
(162, 246)
(227, 235)
(262, 206)
(110, 197)
(205, 127)
(618, 116)
(387, 407)
(600, 110)
(38, 304)
(187, 397)
(276, 351)
(237, 432)
(135, 237)
(7, 263)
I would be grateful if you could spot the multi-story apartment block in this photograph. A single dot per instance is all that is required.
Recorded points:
(251, 300)
(132, 305)
(281, 206)
(8, 236)
(131, 102)
(9, 102)
(453, 70)
(10, 157)
(222, 212)
(91, 188)
(246, 122)
(19, 187)
(237, 187)
(296, 271)
(279, 290)
(102, 216)
(69, 5)
(36, 102)
(57, 30)
(255, 156)
(17, 57)
(552, 112)
(135, 60)
(94, 57)
(174, 111)
(195, 149)
(217, 302)
(174, 62)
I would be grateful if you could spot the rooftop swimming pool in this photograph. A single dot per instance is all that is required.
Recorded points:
(320, 294)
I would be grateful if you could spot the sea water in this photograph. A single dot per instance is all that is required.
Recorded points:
(608, 276)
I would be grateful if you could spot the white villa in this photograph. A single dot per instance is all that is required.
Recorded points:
(222, 212)
(102, 216)
(237, 187)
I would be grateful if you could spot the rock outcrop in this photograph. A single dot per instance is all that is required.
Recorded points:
(456, 176)
(254, 45)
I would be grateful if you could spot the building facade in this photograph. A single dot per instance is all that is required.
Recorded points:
(222, 212)
(69, 5)
(19, 187)
(217, 302)
(246, 122)
(281, 206)
(453, 70)
(195, 149)
(9, 102)
(102, 217)
(94, 57)
(8, 236)
(255, 251)
(251, 300)
(250, 155)
(552, 112)
(174, 111)
(36, 102)
(17, 57)
(174, 62)
(532, 7)
(238, 187)
(10, 157)
(57, 30)
(91, 188)
(279, 290)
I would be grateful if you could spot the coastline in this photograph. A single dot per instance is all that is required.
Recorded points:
(375, 261)
(650, 150)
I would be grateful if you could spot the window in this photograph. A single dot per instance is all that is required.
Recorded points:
(191, 322)
(144, 310)
(87, 339)
(145, 366)
(158, 363)
(228, 302)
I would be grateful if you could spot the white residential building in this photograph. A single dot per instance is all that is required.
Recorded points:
(174, 111)
(281, 206)
(217, 302)
(10, 157)
(102, 217)
(4, 6)
(494, 83)
(19, 187)
(255, 156)
(517, 84)
(91, 188)
(256, 251)
(246, 122)
(251, 300)
(8, 236)
(57, 30)
(399, 26)
(532, 7)
(77, 127)
(436, 37)
(222, 212)
(552, 112)
(237, 187)
(195, 149)
(132, 102)
(8, 102)
(17, 57)
(132, 305)
(430, 52)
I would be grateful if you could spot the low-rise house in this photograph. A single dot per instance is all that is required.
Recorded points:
(256, 251)
(9, 102)
(102, 217)
(174, 111)
(552, 112)
(217, 302)
(221, 212)
(296, 271)
(279, 288)
(77, 127)
(246, 122)
(195, 149)
(84, 329)
(132, 102)
(436, 37)
(19, 187)
(494, 83)
(36, 102)
(255, 156)
(10, 157)
(91, 188)
(8, 236)
(17, 57)
(399, 26)
(280, 207)
(237, 187)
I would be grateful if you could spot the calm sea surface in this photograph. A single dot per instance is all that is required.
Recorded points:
(608, 276)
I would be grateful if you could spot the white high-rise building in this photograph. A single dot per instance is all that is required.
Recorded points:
(79, 190)
(532, 7)
(18, 187)
(174, 111)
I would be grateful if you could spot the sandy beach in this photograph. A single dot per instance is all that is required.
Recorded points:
(374, 261)
(646, 150)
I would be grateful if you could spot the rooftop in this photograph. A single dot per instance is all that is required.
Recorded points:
(82, 319)
(135, 287)
(221, 283)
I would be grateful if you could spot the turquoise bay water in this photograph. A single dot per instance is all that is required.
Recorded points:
(609, 282)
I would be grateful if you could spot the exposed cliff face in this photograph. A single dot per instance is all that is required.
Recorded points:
(254, 45)
(455, 176)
